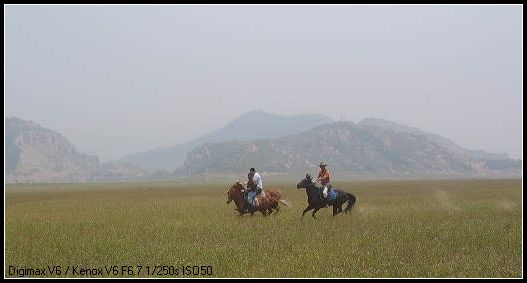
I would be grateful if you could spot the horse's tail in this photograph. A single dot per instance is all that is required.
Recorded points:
(351, 202)
(285, 202)
(275, 194)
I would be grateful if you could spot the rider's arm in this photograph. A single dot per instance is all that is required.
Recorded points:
(258, 180)
(318, 178)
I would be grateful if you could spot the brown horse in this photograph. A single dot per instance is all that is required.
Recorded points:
(265, 202)
(275, 194)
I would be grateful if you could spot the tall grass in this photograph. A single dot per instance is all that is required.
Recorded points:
(469, 228)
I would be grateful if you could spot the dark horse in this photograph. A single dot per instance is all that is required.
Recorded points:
(316, 202)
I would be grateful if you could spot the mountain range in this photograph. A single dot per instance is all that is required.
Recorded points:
(372, 147)
(249, 126)
(274, 144)
(37, 154)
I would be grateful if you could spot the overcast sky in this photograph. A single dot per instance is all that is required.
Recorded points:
(117, 80)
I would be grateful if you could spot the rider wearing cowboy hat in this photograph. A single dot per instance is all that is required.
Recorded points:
(324, 178)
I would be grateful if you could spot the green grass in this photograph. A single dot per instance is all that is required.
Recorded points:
(462, 228)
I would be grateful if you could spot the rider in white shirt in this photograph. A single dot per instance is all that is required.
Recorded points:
(258, 181)
(257, 186)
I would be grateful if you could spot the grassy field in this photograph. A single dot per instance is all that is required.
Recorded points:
(469, 228)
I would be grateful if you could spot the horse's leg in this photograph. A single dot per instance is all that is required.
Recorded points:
(339, 208)
(345, 211)
(275, 207)
(263, 203)
(344, 200)
(315, 211)
(308, 208)
(269, 206)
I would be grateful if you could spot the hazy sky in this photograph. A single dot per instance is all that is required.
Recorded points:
(121, 79)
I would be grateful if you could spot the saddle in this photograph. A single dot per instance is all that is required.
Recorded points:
(256, 201)
(332, 195)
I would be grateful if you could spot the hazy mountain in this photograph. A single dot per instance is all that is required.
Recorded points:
(373, 146)
(250, 126)
(37, 154)
(444, 142)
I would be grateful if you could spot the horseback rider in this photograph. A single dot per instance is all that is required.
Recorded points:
(256, 187)
(324, 177)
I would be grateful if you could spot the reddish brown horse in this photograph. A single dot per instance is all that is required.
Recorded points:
(275, 194)
(265, 202)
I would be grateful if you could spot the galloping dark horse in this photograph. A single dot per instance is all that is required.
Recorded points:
(316, 202)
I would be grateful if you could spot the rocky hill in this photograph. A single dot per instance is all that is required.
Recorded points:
(249, 126)
(375, 147)
(37, 154)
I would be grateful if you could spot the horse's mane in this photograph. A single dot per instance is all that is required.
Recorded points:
(238, 185)
(308, 177)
